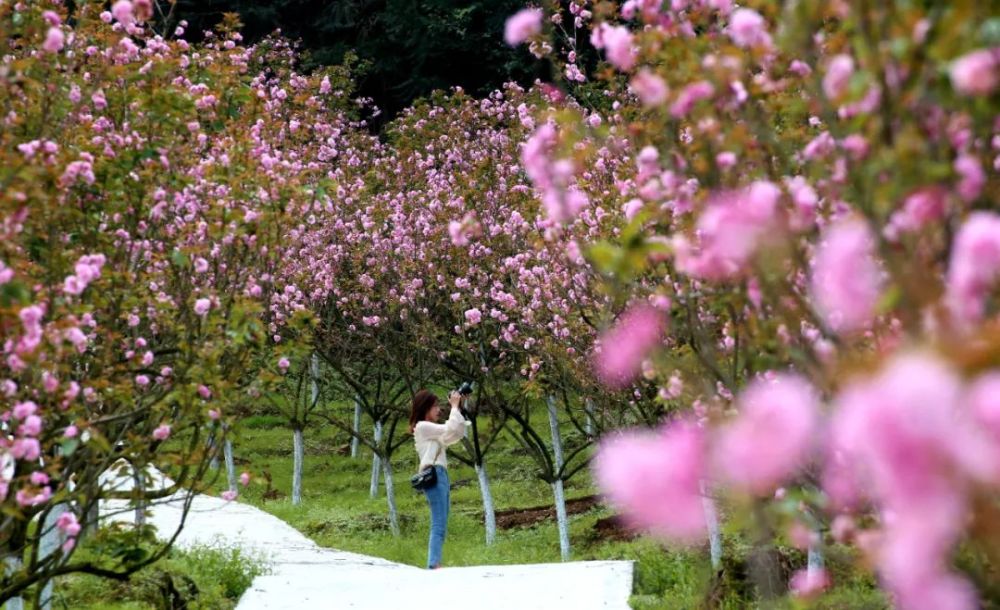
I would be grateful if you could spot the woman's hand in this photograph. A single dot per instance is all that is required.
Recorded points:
(454, 399)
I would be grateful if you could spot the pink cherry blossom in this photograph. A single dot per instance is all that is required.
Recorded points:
(229, 495)
(808, 583)
(523, 25)
(838, 76)
(977, 73)
(68, 524)
(244, 479)
(649, 88)
(122, 11)
(202, 306)
(773, 435)
(729, 231)
(655, 478)
(627, 343)
(972, 178)
(618, 45)
(54, 40)
(283, 364)
(748, 29)
(974, 266)
(689, 96)
(846, 280)
(473, 316)
(162, 432)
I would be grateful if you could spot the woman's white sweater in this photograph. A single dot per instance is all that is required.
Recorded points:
(431, 439)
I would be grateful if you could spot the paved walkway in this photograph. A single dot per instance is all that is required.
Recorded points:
(305, 576)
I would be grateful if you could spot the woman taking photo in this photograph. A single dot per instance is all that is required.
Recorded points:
(431, 439)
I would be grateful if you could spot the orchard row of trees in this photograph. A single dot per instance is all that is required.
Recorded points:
(785, 223)
(191, 228)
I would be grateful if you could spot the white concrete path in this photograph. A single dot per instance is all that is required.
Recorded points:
(305, 576)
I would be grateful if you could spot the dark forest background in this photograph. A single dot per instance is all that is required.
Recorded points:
(405, 48)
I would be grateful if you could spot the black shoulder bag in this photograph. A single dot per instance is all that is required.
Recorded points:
(426, 478)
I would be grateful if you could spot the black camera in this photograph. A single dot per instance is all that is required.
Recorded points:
(465, 389)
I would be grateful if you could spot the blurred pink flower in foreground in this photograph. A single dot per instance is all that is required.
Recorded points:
(773, 435)
(977, 73)
(748, 29)
(729, 231)
(846, 280)
(649, 88)
(838, 76)
(624, 346)
(974, 267)
(522, 25)
(907, 441)
(807, 583)
(654, 478)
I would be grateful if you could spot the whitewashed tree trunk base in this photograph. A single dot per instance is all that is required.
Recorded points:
(557, 486)
(52, 539)
(230, 464)
(298, 455)
(376, 462)
(390, 497)
(712, 522)
(13, 564)
(489, 511)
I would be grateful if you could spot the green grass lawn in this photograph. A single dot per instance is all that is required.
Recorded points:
(337, 512)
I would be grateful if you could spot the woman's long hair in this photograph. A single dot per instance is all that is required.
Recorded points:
(422, 403)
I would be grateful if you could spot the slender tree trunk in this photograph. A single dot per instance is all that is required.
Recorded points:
(376, 461)
(712, 521)
(557, 485)
(589, 426)
(356, 437)
(52, 539)
(489, 512)
(140, 502)
(93, 518)
(765, 571)
(230, 464)
(814, 561)
(390, 497)
(213, 461)
(13, 564)
(298, 454)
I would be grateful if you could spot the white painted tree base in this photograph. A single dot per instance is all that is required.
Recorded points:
(305, 576)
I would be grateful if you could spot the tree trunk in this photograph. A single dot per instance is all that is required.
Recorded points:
(390, 497)
(376, 462)
(140, 491)
(814, 561)
(52, 539)
(489, 512)
(589, 426)
(230, 464)
(213, 461)
(11, 565)
(356, 437)
(712, 521)
(298, 451)
(93, 518)
(763, 560)
(557, 485)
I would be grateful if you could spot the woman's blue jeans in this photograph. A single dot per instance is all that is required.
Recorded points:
(439, 499)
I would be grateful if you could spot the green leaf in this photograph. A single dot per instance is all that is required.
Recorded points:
(604, 255)
(179, 259)
(69, 445)
(14, 293)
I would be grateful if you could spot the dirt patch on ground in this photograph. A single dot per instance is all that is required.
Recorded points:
(521, 517)
(613, 528)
